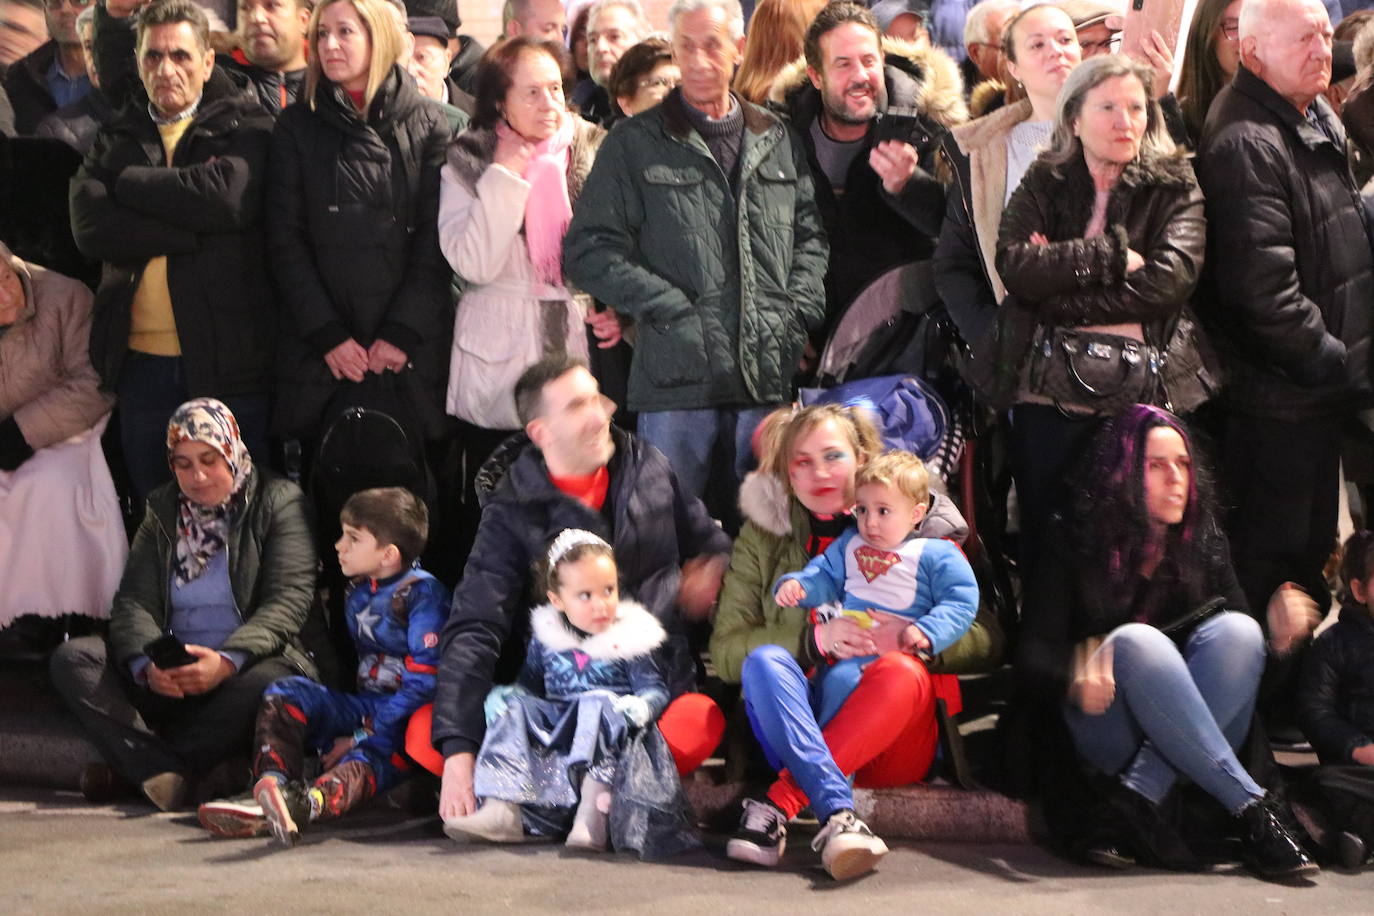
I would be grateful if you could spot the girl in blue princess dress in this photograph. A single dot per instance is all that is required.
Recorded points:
(589, 690)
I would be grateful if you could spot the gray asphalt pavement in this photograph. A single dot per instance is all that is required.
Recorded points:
(59, 854)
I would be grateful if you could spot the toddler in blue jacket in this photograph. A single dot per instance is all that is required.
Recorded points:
(882, 565)
(395, 613)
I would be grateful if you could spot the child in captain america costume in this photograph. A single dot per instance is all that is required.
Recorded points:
(395, 612)
(883, 566)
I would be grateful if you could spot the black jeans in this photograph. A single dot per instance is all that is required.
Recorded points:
(1046, 444)
(151, 388)
(140, 733)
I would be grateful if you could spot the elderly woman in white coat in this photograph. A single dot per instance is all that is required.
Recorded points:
(62, 541)
(507, 194)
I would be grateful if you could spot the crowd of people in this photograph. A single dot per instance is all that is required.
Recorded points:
(480, 368)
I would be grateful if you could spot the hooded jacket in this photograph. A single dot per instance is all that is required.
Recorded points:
(353, 245)
(870, 230)
(203, 211)
(723, 286)
(772, 544)
(650, 522)
(1290, 272)
(47, 386)
(272, 566)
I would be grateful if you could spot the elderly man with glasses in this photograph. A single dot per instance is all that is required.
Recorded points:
(53, 75)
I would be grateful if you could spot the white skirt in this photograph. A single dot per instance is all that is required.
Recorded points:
(62, 540)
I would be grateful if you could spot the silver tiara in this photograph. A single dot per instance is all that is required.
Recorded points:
(570, 538)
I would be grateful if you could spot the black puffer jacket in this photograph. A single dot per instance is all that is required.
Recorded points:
(276, 90)
(870, 230)
(352, 227)
(1155, 209)
(204, 214)
(1290, 274)
(653, 525)
(1336, 695)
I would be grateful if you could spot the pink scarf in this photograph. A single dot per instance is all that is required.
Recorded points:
(547, 209)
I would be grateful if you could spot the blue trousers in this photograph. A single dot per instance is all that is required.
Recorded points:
(782, 706)
(331, 714)
(687, 438)
(1178, 713)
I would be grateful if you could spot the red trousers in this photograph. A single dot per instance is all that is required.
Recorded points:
(885, 734)
(692, 725)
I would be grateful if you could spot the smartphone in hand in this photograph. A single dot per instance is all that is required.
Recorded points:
(168, 652)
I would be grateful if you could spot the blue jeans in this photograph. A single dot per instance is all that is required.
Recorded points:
(151, 388)
(779, 701)
(687, 438)
(1178, 713)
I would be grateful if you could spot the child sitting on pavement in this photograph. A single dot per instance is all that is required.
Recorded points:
(882, 566)
(395, 613)
(556, 739)
(1336, 709)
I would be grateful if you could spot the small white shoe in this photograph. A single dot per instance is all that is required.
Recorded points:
(847, 847)
(761, 837)
(496, 821)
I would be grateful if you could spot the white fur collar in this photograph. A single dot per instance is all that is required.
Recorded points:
(634, 633)
(763, 500)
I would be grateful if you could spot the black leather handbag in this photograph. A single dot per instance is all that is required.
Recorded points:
(1102, 372)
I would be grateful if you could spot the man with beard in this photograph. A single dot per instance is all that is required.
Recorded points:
(871, 122)
(571, 469)
(271, 37)
(613, 27)
(52, 76)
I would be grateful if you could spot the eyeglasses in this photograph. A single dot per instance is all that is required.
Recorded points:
(1230, 30)
(658, 82)
(56, 5)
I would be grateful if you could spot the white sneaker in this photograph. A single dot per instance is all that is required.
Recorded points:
(496, 821)
(589, 823)
(761, 836)
(847, 847)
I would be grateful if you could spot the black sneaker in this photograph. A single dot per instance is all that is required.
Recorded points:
(761, 836)
(286, 808)
(1151, 835)
(1268, 848)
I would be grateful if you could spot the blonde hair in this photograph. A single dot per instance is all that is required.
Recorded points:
(901, 471)
(777, 34)
(383, 27)
(782, 429)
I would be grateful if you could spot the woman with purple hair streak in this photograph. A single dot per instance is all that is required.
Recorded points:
(1137, 637)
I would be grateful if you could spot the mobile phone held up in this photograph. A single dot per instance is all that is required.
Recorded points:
(168, 652)
(1146, 16)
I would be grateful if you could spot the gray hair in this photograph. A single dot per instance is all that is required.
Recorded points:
(975, 24)
(734, 16)
(1254, 14)
(1087, 76)
(86, 18)
(642, 27)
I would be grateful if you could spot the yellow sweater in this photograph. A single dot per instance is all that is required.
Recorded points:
(153, 329)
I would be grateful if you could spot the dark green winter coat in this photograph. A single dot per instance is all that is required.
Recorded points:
(272, 568)
(722, 294)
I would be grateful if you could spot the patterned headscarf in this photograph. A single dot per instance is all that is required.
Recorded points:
(202, 530)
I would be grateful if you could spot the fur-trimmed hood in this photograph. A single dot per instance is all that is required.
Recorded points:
(986, 97)
(764, 501)
(635, 633)
(472, 152)
(921, 80)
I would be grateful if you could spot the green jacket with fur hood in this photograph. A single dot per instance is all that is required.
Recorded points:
(773, 542)
(272, 566)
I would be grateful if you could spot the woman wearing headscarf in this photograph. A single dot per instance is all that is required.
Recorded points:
(218, 584)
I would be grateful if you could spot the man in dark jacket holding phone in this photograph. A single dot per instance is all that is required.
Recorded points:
(1287, 292)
